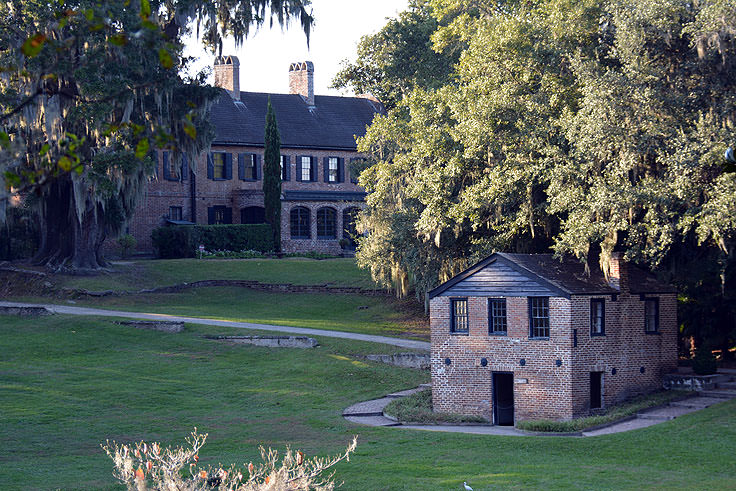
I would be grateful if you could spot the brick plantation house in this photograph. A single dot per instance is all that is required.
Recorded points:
(319, 196)
(527, 336)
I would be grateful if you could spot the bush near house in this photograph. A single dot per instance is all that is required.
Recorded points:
(182, 241)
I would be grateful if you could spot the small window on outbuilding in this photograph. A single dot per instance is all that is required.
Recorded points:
(597, 317)
(459, 316)
(651, 315)
(175, 213)
(497, 316)
(539, 317)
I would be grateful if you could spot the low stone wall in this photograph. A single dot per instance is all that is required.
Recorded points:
(271, 341)
(163, 326)
(420, 361)
(254, 285)
(691, 382)
(25, 311)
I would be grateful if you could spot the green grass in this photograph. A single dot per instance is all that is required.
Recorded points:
(351, 313)
(136, 275)
(417, 408)
(69, 383)
(614, 413)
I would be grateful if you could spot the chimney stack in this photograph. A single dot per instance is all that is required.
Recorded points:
(227, 75)
(301, 81)
(618, 272)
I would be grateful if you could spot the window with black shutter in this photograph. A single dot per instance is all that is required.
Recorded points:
(218, 166)
(285, 168)
(253, 215)
(219, 215)
(175, 213)
(305, 168)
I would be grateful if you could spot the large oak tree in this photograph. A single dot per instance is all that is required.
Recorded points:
(89, 89)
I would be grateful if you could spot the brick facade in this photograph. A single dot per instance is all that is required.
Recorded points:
(554, 380)
(318, 128)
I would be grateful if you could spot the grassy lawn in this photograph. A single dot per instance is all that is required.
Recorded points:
(68, 384)
(352, 313)
(136, 275)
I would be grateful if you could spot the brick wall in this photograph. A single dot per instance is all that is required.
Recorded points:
(542, 389)
(235, 194)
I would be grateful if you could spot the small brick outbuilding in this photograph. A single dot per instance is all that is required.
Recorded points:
(528, 336)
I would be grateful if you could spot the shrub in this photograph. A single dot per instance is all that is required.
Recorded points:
(704, 363)
(417, 408)
(183, 240)
(127, 244)
(145, 466)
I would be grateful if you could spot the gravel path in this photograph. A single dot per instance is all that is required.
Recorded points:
(71, 310)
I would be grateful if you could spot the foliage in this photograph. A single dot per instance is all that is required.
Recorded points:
(704, 363)
(184, 240)
(19, 235)
(272, 175)
(127, 244)
(149, 466)
(90, 88)
(417, 408)
(244, 254)
(398, 58)
(612, 414)
(576, 127)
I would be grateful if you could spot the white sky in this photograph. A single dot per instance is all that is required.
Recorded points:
(265, 56)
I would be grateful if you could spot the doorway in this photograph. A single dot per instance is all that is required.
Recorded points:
(503, 398)
(596, 390)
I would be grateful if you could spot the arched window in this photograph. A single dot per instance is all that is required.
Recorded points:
(326, 223)
(253, 214)
(348, 225)
(300, 223)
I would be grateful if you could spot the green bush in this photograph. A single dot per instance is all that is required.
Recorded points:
(704, 363)
(127, 244)
(184, 240)
(417, 408)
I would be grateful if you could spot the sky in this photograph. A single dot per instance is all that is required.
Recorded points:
(265, 56)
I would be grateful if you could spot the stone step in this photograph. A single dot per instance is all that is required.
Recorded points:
(666, 413)
(368, 408)
(404, 393)
(720, 393)
(697, 402)
(727, 385)
(372, 420)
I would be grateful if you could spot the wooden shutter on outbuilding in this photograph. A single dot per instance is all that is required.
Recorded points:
(184, 167)
(340, 169)
(241, 166)
(228, 215)
(210, 215)
(326, 168)
(313, 161)
(298, 168)
(257, 165)
(286, 176)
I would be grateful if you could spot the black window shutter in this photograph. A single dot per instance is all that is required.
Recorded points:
(184, 167)
(314, 169)
(228, 215)
(298, 168)
(167, 170)
(210, 167)
(340, 169)
(257, 162)
(287, 168)
(241, 166)
(326, 166)
(210, 215)
(228, 165)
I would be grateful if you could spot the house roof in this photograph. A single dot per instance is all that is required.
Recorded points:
(331, 124)
(565, 276)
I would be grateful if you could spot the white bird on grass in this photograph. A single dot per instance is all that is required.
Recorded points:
(467, 488)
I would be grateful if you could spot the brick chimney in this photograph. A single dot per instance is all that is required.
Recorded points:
(227, 75)
(301, 81)
(618, 272)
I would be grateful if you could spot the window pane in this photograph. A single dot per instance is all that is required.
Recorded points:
(497, 316)
(597, 317)
(539, 317)
(332, 162)
(326, 223)
(218, 160)
(300, 226)
(459, 316)
(175, 213)
(306, 169)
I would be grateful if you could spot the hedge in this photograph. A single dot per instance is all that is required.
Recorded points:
(183, 240)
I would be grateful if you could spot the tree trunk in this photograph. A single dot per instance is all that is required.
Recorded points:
(67, 241)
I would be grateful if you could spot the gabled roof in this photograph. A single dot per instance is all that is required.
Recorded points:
(566, 276)
(331, 124)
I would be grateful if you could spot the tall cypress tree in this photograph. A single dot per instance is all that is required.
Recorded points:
(272, 176)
